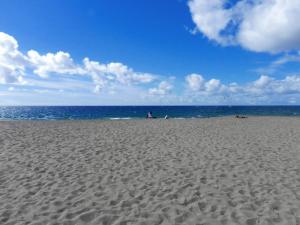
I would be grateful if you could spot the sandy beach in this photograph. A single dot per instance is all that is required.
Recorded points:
(192, 171)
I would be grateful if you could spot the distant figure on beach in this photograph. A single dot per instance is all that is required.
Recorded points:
(149, 115)
(166, 117)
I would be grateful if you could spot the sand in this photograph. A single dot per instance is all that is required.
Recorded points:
(146, 172)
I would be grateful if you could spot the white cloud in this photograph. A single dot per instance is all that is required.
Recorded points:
(265, 89)
(7, 74)
(270, 26)
(262, 82)
(195, 81)
(103, 73)
(142, 77)
(260, 25)
(12, 62)
(210, 17)
(14, 65)
(274, 88)
(89, 77)
(212, 85)
(60, 63)
(163, 88)
(288, 85)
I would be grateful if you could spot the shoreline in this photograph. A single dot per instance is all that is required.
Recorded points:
(142, 119)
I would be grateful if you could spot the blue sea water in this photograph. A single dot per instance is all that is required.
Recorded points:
(136, 112)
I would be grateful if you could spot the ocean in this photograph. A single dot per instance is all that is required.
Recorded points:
(138, 112)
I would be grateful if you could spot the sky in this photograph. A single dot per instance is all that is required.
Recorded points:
(149, 52)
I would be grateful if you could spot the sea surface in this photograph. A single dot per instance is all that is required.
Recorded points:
(139, 112)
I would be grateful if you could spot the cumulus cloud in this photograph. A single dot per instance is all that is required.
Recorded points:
(60, 62)
(262, 81)
(212, 85)
(210, 18)
(196, 82)
(14, 64)
(270, 86)
(115, 72)
(101, 74)
(265, 88)
(35, 71)
(163, 88)
(8, 74)
(261, 26)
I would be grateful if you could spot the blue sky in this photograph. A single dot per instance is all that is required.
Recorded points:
(149, 52)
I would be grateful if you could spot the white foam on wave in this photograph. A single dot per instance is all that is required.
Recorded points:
(120, 118)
